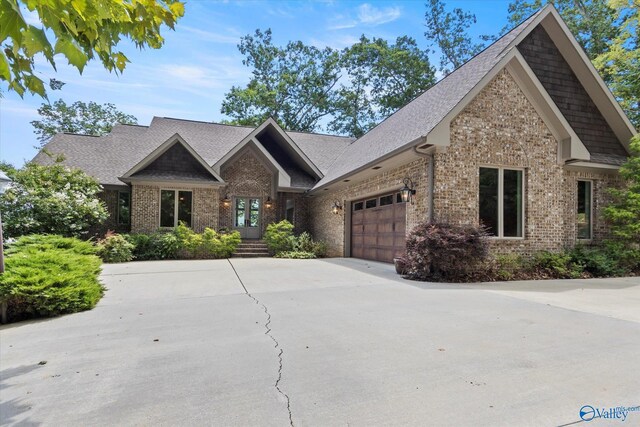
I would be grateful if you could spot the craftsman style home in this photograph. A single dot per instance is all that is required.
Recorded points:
(524, 138)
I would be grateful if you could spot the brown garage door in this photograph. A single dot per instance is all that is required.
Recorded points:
(378, 227)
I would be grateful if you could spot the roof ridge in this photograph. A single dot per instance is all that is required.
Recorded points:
(205, 122)
(452, 72)
(79, 134)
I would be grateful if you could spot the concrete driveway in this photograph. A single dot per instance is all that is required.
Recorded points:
(324, 342)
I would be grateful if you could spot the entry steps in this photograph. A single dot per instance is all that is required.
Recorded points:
(251, 249)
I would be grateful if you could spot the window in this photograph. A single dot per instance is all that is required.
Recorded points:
(358, 206)
(289, 210)
(584, 209)
(371, 203)
(501, 201)
(124, 204)
(175, 206)
(386, 200)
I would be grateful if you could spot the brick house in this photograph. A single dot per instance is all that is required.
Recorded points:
(524, 138)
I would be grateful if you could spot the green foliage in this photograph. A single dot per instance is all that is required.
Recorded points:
(159, 245)
(377, 79)
(304, 243)
(51, 199)
(301, 86)
(210, 244)
(608, 32)
(624, 211)
(80, 31)
(596, 261)
(507, 266)
(296, 255)
(555, 264)
(278, 236)
(84, 118)
(49, 275)
(115, 248)
(448, 31)
(290, 84)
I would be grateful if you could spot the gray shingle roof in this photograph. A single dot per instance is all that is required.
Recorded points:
(109, 157)
(420, 116)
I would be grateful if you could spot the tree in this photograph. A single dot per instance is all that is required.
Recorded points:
(85, 118)
(292, 84)
(378, 78)
(609, 34)
(301, 85)
(592, 22)
(624, 212)
(448, 30)
(620, 62)
(51, 200)
(80, 31)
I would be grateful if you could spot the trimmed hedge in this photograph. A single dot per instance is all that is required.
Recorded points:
(49, 275)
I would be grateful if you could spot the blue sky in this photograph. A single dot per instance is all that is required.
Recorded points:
(200, 61)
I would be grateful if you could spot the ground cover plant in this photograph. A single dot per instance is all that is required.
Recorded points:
(49, 275)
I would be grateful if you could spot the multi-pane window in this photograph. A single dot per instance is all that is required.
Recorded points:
(584, 216)
(124, 207)
(175, 206)
(502, 202)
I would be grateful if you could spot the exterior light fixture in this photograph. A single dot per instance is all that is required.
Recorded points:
(268, 203)
(408, 191)
(226, 202)
(337, 207)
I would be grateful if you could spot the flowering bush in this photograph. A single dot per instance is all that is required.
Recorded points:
(115, 248)
(51, 200)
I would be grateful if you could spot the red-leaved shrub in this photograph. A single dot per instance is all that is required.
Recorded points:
(437, 251)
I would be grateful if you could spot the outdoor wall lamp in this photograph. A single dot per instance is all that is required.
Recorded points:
(226, 202)
(337, 207)
(408, 191)
(268, 203)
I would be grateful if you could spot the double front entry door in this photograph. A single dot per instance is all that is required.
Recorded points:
(246, 217)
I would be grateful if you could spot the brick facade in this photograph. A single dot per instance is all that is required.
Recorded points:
(145, 207)
(500, 127)
(248, 177)
(110, 198)
(331, 227)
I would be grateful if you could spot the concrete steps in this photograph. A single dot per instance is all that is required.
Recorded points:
(251, 249)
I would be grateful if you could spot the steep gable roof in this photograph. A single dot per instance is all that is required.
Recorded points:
(410, 125)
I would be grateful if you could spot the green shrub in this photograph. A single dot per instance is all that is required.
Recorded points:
(43, 242)
(556, 265)
(305, 243)
(296, 255)
(596, 261)
(507, 266)
(115, 248)
(437, 251)
(49, 275)
(209, 244)
(154, 246)
(278, 236)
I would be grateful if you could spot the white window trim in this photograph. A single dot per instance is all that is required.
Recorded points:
(118, 209)
(501, 169)
(591, 182)
(175, 207)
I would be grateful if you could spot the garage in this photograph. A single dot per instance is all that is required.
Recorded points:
(378, 227)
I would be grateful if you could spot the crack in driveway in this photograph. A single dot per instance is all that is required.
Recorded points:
(275, 342)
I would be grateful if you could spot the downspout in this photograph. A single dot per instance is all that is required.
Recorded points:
(430, 178)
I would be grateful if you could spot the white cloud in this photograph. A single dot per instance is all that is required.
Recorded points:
(210, 36)
(366, 15)
(372, 15)
(17, 108)
(337, 42)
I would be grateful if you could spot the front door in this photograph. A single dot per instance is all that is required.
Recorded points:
(246, 217)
